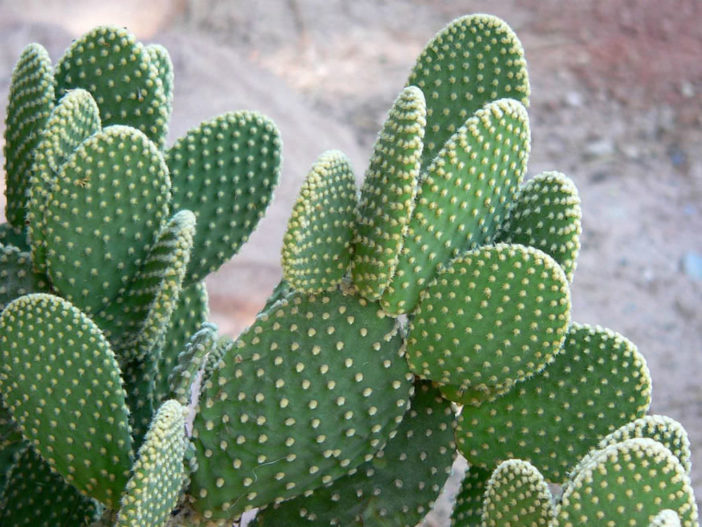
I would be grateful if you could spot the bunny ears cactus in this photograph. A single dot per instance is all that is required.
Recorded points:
(427, 314)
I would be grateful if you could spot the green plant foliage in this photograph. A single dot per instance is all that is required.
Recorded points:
(29, 106)
(397, 487)
(597, 383)
(224, 171)
(17, 277)
(80, 428)
(13, 236)
(317, 244)
(312, 390)
(100, 62)
(468, 509)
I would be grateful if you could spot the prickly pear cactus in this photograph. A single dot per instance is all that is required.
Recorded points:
(425, 316)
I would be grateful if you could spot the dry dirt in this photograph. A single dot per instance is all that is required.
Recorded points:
(616, 105)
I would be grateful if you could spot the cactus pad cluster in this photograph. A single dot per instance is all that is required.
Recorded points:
(425, 315)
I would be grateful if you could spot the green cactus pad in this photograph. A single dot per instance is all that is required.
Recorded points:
(474, 60)
(494, 316)
(14, 236)
(38, 497)
(66, 394)
(135, 320)
(628, 483)
(159, 57)
(388, 193)
(224, 171)
(312, 390)
(462, 198)
(665, 430)
(546, 214)
(517, 494)
(157, 477)
(30, 103)
(117, 71)
(317, 243)
(11, 445)
(280, 291)
(191, 361)
(103, 215)
(665, 518)
(75, 118)
(595, 385)
(190, 313)
(398, 487)
(17, 277)
(468, 509)
(139, 384)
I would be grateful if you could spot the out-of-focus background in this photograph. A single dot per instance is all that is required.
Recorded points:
(616, 105)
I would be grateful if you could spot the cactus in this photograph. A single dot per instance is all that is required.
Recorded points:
(426, 316)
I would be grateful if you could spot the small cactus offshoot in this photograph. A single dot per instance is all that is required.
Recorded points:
(425, 316)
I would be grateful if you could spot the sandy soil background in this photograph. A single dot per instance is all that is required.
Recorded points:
(616, 104)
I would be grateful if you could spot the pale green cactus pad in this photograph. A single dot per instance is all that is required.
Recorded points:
(159, 57)
(494, 316)
(119, 74)
(136, 319)
(224, 171)
(75, 118)
(462, 198)
(666, 518)
(13, 236)
(546, 214)
(474, 60)
(468, 509)
(628, 483)
(596, 384)
(312, 390)
(110, 200)
(191, 362)
(388, 194)
(38, 497)
(157, 477)
(30, 103)
(317, 243)
(397, 487)
(17, 277)
(81, 429)
(517, 494)
(190, 313)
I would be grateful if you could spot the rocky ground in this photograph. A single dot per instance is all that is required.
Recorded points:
(616, 105)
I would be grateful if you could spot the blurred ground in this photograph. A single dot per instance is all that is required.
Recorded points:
(616, 104)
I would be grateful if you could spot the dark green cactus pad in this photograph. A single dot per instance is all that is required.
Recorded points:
(135, 320)
(75, 118)
(11, 444)
(665, 430)
(38, 497)
(138, 377)
(546, 214)
(224, 171)
(159, 57)
(666, 518)
(517, 494)
(103, 215)
(474, 60)
(388, 194)
(596, 384)
(398, 487)
(628, 483)
(17, 278)
(190, 313)
(191, 362)
(462, 198)
(119, 74)
(494, 316)
(317, 244)
(65, 392)
(468, 509)
(14, 236)
(312, 390)
(157, 477)
(30, 103)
